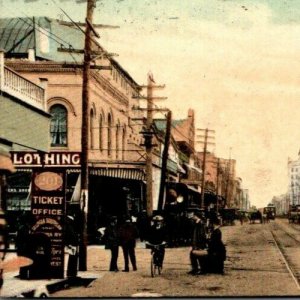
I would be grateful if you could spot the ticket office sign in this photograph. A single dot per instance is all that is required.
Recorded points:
(48, 206)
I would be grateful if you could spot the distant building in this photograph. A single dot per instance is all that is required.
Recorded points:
(294, 180)
(187, 184)
(281, 203)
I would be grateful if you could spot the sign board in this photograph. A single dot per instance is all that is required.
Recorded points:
(48, 207)
(41, 159)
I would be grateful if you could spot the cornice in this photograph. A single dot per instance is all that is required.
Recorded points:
(108, 87)
(20, 66)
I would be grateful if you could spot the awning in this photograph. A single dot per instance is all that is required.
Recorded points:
(192, 189)
(190, 167)
(181, 187)
(133, 174)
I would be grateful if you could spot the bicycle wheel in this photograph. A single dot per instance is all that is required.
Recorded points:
(159, 266)
(152, 267)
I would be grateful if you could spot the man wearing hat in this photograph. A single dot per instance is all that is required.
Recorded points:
(111, 238)
(157, 235)
(128, 234)
(199, 242)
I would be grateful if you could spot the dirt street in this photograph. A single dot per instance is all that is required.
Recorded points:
(253, 267)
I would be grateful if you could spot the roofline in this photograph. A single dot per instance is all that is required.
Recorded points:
(121, 69)
(112, 61)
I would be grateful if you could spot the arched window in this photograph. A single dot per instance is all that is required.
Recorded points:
(117, 140)
(109, 121)
(101, 133)
(123, 143)
(92, 129)
(58, 125)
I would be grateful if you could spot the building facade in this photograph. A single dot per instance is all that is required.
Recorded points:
(24, 124)
(294, 181)
(116, 152)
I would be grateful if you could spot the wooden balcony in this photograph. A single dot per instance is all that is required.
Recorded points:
(15, 85)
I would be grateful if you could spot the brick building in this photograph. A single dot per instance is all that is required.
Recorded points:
(116, 156)
(116, 164)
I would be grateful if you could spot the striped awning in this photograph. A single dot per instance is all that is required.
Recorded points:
(123, 173)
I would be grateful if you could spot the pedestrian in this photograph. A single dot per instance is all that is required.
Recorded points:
(199, 242)
(111, 239)
(71, 244)
(128, 234)
(213, 261)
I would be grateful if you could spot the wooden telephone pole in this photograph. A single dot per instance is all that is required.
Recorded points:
(148, 145)
(148, 140)
(217, 191)
(164, 163)
(228, 175)
(203, 169)
(206, 142)
(84, 135)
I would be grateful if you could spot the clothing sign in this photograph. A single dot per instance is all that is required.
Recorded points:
(51, 159)
(48, 206)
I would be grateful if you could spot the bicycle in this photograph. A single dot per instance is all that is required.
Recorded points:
(156, 264)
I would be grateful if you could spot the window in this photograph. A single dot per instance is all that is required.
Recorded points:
(117, 141)
(58, 125)
(123, 143)
(109, 134)
(92, 128)
(100, 133)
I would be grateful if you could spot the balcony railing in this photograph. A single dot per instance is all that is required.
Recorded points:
(15, 85)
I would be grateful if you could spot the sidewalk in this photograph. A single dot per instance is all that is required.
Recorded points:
(16, 287)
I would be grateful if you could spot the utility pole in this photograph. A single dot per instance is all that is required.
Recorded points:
(148, 144)
(84, 135)
(228, 173)
(164, 162)
(148, 140)
(217, 192)
(203, 169)
(206, 137)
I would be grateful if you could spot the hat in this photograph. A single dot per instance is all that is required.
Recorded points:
(157, 218)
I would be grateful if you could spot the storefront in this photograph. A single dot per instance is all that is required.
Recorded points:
(18, 197)
(113, 190)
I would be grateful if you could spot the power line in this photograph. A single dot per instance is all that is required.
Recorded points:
(49, 32)
(50, 35)
(79, 28)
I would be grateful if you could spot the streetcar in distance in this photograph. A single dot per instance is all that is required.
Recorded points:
(270, 212)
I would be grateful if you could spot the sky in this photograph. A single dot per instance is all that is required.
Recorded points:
(235, 62)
